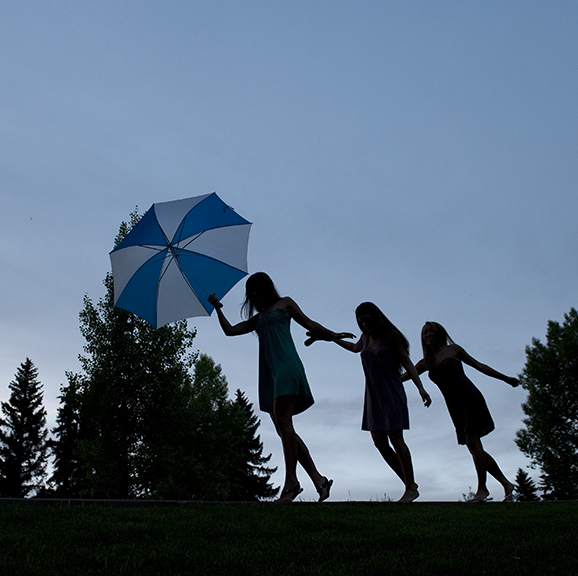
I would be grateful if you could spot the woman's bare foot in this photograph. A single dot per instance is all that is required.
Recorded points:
(409, 495)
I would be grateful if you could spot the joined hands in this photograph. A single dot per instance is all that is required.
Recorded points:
(314, 336)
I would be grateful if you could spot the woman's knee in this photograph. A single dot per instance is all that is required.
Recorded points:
(396, 438)
(380, 439)
(475, 447)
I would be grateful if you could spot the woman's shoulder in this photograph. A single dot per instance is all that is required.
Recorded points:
(449, 352)
(453, 350)
(287, 305)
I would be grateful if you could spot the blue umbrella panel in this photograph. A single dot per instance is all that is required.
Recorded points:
(178, 254)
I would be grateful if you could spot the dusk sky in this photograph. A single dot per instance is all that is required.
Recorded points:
(420, 155)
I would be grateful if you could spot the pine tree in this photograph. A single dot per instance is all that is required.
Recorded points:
(64, 445)
(23, 435)
(526, 487)
(255, 476)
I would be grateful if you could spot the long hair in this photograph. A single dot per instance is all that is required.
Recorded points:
(260, 293)
(395, 340)
(442, 337)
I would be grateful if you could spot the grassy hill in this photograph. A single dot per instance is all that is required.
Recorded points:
(343, 538)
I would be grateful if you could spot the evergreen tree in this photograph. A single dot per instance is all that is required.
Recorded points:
(526, 487)
(255, 476)
(134, 394)
(64, 447)
(23, 433)
(550, 437)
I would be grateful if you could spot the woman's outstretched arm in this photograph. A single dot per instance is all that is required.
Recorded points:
(315, 330)
(355, 347)
(484, 368)
(244, 327)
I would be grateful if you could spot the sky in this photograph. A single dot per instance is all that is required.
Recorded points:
(420, 155)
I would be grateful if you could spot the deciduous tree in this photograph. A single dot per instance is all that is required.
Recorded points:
(134, 392)
(550, 436)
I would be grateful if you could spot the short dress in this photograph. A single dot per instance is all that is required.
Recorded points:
(466, 405)
(385, 405)
(281, 371)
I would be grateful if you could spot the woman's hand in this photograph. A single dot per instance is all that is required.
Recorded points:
(425, 397)
(215, 301)
(331, 337)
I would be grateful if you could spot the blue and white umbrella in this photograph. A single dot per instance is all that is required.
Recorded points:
(178, 254)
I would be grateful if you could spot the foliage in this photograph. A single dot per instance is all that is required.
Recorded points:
(224, 441)
(255, 476)
(139, 422)
(469, 496)
(525, 487)
(64, 444)
(23, 434)
(215, 441)
(550, 436)
(133, 395)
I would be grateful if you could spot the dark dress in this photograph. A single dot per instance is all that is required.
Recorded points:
(385, 406)
(281, 371)
(466, 405)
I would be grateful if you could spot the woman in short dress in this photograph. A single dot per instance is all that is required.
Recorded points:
(283, 387)
(443, 358)
(384, 350)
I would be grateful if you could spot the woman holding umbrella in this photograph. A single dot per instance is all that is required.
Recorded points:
(283, 387)
(442, 359)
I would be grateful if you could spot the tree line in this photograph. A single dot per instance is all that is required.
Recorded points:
(153, 429)
(138, 422)
(144, 418)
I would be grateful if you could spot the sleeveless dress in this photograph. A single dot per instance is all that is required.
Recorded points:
(385, 405)
(466, 405)
(281, 371)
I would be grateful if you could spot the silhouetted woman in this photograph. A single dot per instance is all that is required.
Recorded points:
(442, 358)
(283, 387)
(384, 350)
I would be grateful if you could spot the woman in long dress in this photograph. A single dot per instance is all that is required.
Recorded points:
(384, 350)
(443, 358)
(283, 387)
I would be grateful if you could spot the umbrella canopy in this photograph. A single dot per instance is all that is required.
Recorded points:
(178, 254)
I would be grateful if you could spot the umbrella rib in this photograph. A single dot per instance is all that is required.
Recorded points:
(179, 266)
(197, 235)
(182, 265)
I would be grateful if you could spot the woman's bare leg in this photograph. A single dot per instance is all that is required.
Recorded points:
(474, 445)
(294, 449)
(381, 442)
(399, 460)
(484, 463)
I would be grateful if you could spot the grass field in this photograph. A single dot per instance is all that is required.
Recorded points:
(346, 538)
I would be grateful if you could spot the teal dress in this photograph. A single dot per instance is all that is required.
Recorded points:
(281, 372)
